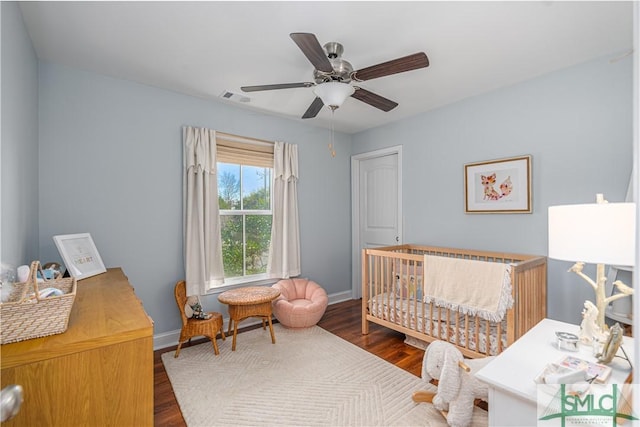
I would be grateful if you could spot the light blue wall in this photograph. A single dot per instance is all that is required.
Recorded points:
(19, 141)
(111, 165)
(577, 125)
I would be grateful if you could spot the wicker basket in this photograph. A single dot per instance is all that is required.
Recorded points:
(25, 315)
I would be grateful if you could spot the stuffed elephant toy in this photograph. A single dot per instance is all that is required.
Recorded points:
(457, 388)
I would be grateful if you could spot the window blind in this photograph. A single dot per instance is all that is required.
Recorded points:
(244, 151)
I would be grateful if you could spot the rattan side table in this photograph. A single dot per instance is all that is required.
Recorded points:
(251, 301)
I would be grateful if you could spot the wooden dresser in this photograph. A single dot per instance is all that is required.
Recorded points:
(97, 373)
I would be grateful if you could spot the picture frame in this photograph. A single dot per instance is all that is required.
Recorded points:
(80, 255)
(498, 186)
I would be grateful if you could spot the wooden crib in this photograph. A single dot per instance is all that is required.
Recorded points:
(385, 270)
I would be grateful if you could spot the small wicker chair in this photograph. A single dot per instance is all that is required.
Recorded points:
(195, 327)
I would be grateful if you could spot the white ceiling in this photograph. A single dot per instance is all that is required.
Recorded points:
(206, 48)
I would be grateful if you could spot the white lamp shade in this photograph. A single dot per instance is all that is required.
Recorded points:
(600, 233)
(333, 94)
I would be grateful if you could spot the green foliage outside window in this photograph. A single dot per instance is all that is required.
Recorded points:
(245, 253)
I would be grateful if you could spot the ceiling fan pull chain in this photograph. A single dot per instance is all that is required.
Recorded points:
(331, 146)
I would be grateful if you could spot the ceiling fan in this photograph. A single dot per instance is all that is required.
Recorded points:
(333, 75)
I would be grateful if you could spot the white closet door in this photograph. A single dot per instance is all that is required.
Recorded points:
(377, 204)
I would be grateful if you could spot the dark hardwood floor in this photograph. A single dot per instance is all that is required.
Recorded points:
(342, 319)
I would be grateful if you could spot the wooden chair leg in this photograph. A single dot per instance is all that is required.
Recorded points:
(215, 345)
(273, 336)
(235, 335)
(178, 350)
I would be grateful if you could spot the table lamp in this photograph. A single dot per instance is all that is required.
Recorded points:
(599, 233)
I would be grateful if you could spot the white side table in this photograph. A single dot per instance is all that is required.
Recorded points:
(510, 376)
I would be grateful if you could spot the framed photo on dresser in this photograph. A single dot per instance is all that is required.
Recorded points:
(80, 255)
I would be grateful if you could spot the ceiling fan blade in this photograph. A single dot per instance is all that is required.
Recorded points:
(309, 45)
(374, 100)
(276, 86)
(400, 65)
(313, 109)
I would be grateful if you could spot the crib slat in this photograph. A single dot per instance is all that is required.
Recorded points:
(487, 337)
(430, 319)
(467, 332)
(477, 340)
(382, 286)
(423, 305)
(415, 297)
(456, 331)
(367, 302)
(447, 326)
(405, 292)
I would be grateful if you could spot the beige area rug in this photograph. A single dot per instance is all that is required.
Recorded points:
(310, 377)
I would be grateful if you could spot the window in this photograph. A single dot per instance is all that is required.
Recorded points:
(244, 199)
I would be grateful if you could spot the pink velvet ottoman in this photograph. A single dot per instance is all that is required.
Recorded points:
(301, 303)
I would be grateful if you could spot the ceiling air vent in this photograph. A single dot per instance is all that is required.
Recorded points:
(234, 96)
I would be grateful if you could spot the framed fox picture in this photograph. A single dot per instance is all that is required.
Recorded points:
(498, 186)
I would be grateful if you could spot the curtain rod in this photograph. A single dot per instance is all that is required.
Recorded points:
(238, 138)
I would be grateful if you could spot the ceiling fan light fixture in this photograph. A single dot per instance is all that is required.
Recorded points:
(333, 94)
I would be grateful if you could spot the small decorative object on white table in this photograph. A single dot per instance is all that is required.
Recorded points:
(511, 375)
(611, 346)
(589, 329)
(567, 341)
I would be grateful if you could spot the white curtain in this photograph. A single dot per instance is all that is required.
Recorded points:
(284, 251)
(202, 241)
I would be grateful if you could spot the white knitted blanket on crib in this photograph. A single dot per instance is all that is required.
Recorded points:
(472, 287)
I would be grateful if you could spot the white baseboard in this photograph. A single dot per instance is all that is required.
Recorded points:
(168, 339)
(340, 297)
(165, 339)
